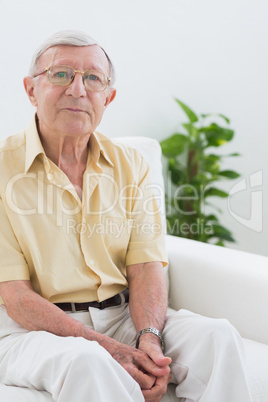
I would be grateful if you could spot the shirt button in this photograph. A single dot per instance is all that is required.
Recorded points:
(91, 262)
(50, 176)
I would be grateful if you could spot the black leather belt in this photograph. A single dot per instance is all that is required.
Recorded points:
(111, 302)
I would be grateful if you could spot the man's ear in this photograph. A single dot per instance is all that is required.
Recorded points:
(29, 88)
(110, 96)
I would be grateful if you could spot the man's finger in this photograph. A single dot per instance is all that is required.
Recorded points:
(145, 363)
(155, 353)
(145, 380)
(158, 390)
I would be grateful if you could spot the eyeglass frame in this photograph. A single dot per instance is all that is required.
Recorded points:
(75, 71)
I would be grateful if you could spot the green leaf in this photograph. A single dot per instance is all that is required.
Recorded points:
(217, 114)
(234, 154)
(225, 118)
(213, 157)
(191, 130)
(220, 229)
(230, 174)
(215, 192)
(174, 145)
(222, 233)
(216, 135)
(177, 173)
(211, 164)
(212, 218)
(213, 206)
(190, 114)
(220, 243)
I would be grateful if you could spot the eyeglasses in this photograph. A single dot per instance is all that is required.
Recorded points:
(93, 80)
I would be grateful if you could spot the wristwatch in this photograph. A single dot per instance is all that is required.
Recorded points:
(151, 330)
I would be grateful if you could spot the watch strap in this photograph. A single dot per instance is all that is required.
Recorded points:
(151, 330)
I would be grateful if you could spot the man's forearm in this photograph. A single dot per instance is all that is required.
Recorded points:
(35, 313)
(148, 295)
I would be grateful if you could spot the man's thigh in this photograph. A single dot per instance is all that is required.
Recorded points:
(31, 359)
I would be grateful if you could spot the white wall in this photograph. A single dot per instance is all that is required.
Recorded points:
(210, 54)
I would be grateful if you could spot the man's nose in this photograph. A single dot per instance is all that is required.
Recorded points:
(77, 88)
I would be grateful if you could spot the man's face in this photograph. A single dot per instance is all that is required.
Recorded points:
(70, 110)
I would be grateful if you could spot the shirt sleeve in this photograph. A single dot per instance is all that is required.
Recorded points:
(147, 242)
(12, 262)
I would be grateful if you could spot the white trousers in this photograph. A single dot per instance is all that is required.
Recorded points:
(207, 359)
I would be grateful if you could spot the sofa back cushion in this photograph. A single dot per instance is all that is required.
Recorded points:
(151, 151)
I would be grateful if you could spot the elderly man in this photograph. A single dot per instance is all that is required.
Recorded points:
(84, 300)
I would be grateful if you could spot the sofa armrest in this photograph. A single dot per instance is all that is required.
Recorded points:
(221, 283)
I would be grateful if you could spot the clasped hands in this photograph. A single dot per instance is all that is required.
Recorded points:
(146, 365)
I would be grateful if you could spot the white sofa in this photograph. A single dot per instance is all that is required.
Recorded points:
(209, 280)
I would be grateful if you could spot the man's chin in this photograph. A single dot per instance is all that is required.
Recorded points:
(76, 127)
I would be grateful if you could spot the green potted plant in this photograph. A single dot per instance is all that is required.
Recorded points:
(191, 176)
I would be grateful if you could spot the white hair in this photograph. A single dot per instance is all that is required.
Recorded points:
(68, 38)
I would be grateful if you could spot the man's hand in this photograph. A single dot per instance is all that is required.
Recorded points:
(150, 344)
(138, 364)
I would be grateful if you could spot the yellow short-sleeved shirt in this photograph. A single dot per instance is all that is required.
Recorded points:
(73, 250)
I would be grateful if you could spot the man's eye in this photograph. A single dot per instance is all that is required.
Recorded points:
(60, 74)
(92, 77)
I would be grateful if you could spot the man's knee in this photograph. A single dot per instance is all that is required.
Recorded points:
(196, 330)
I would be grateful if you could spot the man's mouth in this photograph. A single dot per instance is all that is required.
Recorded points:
(74, 109)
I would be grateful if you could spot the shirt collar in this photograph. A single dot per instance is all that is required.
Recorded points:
(97, 149)
(34, 146)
